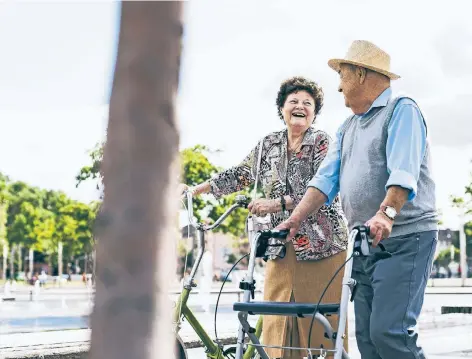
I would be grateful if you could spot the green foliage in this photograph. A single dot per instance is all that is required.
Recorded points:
(24, 205)
(234, 224)
(4, 194)
(45, 231)
(444, 257)
(465, 202)
(231, 259)
(76, 222)
(92, 171)
(196, 168)
(39, 219)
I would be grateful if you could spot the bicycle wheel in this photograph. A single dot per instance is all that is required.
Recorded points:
(179, 349)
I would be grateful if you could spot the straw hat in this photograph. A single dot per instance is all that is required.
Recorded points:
(366, 54)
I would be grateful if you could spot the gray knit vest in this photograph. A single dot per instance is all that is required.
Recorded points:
(363, 175)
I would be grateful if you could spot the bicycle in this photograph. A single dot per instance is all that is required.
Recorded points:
(213, 348)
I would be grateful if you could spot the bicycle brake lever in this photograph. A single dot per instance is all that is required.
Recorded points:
(242, 200)
(282, 234)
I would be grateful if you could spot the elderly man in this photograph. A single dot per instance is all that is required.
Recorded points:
(380, 164)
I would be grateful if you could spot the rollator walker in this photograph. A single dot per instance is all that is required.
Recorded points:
(359, 245)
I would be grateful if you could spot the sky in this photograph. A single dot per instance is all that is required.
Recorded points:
(57, 64)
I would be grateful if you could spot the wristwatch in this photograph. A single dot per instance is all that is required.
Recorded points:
(390, 212)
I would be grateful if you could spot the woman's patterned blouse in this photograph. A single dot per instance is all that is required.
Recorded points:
(321, 235)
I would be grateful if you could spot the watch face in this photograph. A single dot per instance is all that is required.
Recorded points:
(389, 211)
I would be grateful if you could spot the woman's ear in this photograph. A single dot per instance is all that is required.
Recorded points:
(281, 114)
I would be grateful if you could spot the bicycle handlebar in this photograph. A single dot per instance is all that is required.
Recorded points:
(241, 201)
(362, 243)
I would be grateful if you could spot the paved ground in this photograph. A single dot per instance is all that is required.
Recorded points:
(447, 343)
(25, 323)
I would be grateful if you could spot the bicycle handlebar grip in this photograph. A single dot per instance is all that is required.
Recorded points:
(242, 200)
(365, 229)
(282, 234)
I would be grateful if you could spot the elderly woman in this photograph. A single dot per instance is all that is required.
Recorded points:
(290, 158)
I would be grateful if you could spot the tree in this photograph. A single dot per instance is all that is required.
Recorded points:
(54, 202)
(196, 168)
(92, 172)
(40, 220)
(45, 232)
(22, 230)
(76, 221)
(4, 195)
(444, 257)
(130, 317)
(22, 201)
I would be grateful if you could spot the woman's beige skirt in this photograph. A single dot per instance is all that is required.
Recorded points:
(300, 281)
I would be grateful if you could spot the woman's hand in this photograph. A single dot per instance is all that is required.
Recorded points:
(261, 207)
(197, 190)
(182, 188)
(292, 224)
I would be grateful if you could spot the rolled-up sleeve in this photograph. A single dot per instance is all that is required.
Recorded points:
(406, 147)
(236, 178)
(326, 178)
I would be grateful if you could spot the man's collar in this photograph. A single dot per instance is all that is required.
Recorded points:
(380, 101)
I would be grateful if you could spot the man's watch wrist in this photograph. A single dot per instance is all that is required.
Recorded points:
(389, 212)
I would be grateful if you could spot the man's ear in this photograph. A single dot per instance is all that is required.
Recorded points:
(361, 74)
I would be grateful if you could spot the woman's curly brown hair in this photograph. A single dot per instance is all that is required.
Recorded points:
(296, 84)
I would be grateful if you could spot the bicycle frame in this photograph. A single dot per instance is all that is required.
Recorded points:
(214, 350)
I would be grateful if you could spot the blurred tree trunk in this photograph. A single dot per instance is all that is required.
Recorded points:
(20, 255)
(12, 262)
(131, 317)
(60, 261)
(31, 261)
(3, 237)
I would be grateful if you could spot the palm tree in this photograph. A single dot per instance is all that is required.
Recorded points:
(131, 314)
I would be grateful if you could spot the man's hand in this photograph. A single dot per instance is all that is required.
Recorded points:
(310, 203)
(261, 207)
(380, 227)
(292, 223)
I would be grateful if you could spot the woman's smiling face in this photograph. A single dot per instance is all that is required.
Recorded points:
(299, 110)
